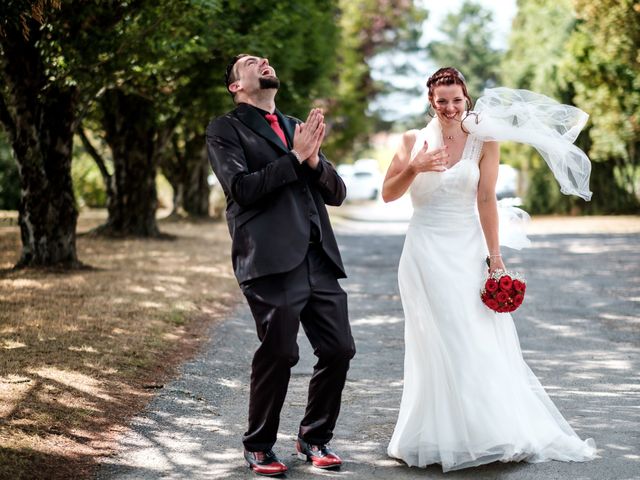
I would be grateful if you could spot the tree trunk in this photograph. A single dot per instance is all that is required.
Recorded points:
(196, 186)
(187, 170)
(129, 123)
(40, 120)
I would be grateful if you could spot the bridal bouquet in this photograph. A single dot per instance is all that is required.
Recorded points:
(503, 291)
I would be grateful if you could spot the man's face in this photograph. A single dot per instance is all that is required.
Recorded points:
(255, 73)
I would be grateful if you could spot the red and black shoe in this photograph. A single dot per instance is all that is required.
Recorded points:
(320, 456)
(265, 463)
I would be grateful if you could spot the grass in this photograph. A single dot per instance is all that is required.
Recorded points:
(82, 351)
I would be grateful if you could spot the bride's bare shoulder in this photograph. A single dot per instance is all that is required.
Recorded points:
(409, 138)
(410, 135)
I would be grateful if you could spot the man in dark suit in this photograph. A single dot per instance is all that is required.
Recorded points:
(285, 258)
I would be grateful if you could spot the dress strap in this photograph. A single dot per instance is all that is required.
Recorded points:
(474, 149)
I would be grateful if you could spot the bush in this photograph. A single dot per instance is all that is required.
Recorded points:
(88, 185)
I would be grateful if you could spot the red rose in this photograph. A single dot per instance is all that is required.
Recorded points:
(491, 285)
(519, 286)
(492, 304)
(503, 294)
(502, 297)
(505, 283)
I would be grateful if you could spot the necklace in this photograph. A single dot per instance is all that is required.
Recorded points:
(449, 137)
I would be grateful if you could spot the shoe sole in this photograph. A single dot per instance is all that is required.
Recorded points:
(265, 474)
(305, 458)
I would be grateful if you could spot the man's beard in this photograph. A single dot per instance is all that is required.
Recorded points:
(269, 82)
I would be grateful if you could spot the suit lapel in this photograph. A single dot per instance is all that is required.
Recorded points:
(252, 119)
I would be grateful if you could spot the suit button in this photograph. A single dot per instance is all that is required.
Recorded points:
(304, 189)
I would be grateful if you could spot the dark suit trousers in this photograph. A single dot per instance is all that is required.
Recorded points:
(309, 294)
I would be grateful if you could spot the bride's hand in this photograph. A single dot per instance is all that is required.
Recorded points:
(434, 161)
(496, 263)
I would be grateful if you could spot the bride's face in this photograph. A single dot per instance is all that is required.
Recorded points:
(449, 102)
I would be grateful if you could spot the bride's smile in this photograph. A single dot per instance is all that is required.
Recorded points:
(449, 103)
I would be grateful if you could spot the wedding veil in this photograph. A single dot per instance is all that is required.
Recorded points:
(505, 114)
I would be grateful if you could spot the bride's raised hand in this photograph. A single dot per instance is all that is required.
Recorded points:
(433, 161)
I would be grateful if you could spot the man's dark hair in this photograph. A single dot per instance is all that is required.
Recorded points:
(230, 74)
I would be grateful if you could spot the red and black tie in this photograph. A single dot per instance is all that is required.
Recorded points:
(273, 121)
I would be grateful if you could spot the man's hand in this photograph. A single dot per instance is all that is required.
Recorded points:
(308, 137)
(314, 159)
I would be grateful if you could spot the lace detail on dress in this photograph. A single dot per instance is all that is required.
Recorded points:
(475, 149)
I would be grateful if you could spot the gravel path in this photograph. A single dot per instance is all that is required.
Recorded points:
(579, 331)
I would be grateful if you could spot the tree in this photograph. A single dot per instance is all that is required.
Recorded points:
(173, 75)
(46, 47)
(535, 65)
(588, 60)
(603, 68)
(368, 28)
(467, 47)
(300, 42)
(136, 108)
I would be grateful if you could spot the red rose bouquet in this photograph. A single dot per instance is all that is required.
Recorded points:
(503, 291)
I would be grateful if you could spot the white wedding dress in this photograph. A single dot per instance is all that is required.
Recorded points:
(469, 398)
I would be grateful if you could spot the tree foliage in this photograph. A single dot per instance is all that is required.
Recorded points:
(583, 53)
(48, 48)
(300, 43)
(176, 64)
(144, 77)
(603, 67)
(367, 28)
(467, 47)
(531, 62)
(535, 65)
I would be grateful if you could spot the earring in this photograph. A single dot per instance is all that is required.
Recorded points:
(432, 115)
(468, 104)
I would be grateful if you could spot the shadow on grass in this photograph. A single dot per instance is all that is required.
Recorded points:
(80, 349)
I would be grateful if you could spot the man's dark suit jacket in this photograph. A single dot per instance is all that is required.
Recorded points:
(269, 193)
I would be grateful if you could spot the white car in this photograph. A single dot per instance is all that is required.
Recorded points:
(362, 179)
(507, 184)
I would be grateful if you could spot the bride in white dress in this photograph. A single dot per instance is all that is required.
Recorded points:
(469, 398)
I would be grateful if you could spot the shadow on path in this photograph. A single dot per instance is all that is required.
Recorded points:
(579, 331)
